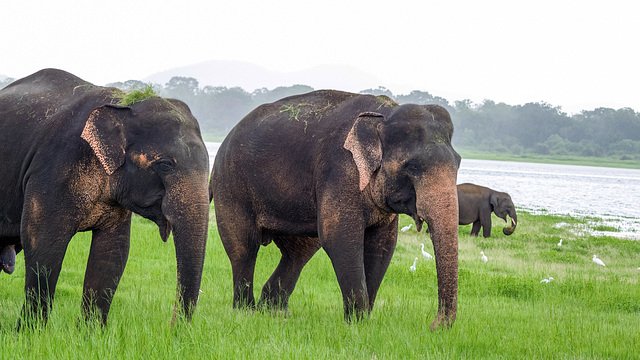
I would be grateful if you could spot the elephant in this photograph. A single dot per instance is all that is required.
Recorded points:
(76, 158)
(332, 170)
(476, 203)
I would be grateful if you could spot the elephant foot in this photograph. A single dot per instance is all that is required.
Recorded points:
(275, 302)
(443, 321)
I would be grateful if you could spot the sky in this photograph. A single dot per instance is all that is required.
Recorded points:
(578, 55)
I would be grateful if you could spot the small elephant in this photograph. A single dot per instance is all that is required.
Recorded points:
(476, 203)
(74, 158)
(332, 170)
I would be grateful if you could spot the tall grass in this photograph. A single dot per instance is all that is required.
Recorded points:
(503, 309)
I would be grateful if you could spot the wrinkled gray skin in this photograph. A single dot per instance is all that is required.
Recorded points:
(332, 170)
(73, 160)
(476, 203)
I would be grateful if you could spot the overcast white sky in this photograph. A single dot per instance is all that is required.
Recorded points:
(574, 54)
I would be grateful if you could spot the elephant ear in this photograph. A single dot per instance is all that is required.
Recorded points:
(364, 144)
(493, 200)
(105, 134)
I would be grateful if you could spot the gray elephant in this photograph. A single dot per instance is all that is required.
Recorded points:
(74, 160)
(476, 203)
(332, 170)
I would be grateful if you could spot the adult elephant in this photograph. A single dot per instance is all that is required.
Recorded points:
(73, 160)
(476, 203)
(332, 170)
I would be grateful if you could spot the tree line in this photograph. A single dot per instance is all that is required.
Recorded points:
(539, 128)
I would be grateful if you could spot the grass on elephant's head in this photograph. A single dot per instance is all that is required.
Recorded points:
(503, 310)
(136, 95)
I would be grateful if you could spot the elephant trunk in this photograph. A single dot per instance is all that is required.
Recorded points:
(186, 206)
(438, 204)
(514, 221)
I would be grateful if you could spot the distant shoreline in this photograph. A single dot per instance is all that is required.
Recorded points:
(553, 159)
(531, 158)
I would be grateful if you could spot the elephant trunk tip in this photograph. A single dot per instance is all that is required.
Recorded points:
(510, 229)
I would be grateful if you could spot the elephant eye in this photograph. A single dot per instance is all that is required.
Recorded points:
(164, 165)
(413, 167)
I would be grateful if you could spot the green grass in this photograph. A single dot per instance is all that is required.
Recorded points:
(137, 95)
(503, 309)
(552, 159)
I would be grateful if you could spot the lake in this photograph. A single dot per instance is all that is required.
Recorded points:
(611, 194)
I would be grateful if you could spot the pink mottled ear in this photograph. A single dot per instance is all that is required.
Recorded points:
(105, 134)
(364, 144)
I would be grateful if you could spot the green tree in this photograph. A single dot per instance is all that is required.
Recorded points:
(182, 88)
(264, 95)
(381, 90)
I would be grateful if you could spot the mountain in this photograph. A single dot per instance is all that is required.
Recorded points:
(250, 76)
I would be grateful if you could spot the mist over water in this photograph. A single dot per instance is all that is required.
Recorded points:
(611, 194)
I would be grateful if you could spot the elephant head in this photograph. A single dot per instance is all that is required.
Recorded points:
(157, 165)
(408, 160)
(503, 207)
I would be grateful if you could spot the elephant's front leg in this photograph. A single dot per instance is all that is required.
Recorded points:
(107, 260)
(379, 245)
(296, 252)
(343, 241)
(45, 241)
(485, 220)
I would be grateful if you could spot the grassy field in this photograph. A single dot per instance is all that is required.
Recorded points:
(504, 311)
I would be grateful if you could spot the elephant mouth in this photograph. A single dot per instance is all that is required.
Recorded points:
(165, 228)
(7, 268)
(419, 222)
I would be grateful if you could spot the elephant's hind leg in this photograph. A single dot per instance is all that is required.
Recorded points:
(475, 230)
(296, 252)
(240, 238)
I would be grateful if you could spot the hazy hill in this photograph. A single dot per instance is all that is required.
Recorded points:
(250, 77)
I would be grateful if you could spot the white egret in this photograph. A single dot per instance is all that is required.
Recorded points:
(598, 261)
(406, 228)
(560, 243)
(484, 257)
(426, 254)
(546, 281)
(412, 268)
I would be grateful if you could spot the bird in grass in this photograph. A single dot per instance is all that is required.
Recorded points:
(560, 243)
(546, 281)
(412, 268)
(598, 261)
(406, 228)
(426, 254)
(484, 257)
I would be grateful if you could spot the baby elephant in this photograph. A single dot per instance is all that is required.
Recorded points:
(476, 203)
